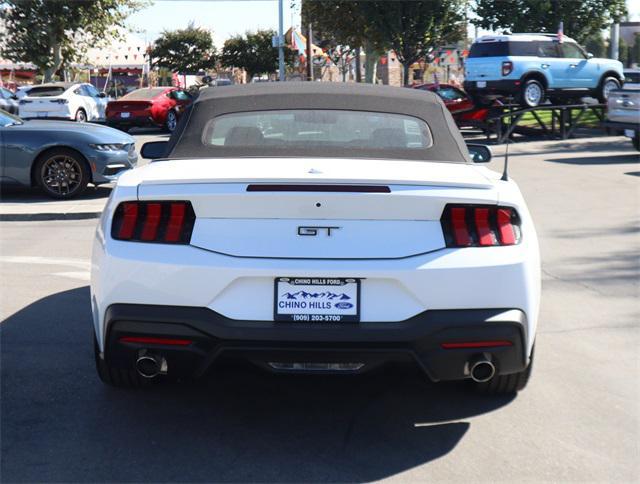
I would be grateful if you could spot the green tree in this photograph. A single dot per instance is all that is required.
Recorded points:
(340, 26)
(581, 18)
(53, 33)
(596, 45)
(414, 28)
(186, 50)
(253, 52)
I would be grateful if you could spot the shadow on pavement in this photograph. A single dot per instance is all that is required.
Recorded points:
(17, 194)
(598, 160)
(60, 423)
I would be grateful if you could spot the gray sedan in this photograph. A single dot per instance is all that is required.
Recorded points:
(62, 157)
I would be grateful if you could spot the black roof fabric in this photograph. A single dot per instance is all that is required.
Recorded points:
(448, 145)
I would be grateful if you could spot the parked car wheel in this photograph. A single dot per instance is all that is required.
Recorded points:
(81, 116)
(607, 85)
(507, 384)
(115, 377)
(532, 94)
(171, 122)
(62, 173)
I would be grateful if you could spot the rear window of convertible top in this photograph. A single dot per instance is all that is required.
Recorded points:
(318, 128)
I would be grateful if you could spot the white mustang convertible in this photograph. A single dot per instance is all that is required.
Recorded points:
(312, 227)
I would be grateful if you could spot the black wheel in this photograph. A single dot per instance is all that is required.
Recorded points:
(62, 173)
(636, 142)
(171, 122)
(81, 116)
(532, 94)
(507, 384)
(607, 85)
(115, 377)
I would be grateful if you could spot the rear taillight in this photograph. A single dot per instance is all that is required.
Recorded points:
(507, 68)
(480, 226)
(159, 222)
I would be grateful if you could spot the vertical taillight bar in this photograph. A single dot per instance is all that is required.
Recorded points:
(460, 228)
(129, 219)
(176, 221)
(481, 217)
(505, 227)
(151, 221)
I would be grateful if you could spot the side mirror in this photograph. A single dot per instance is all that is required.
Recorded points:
(102, 94)
(14, 97)
(589, 55)
(154, 150)
(479, 153)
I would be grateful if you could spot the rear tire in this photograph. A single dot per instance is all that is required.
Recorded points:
(532, 94)
(507, 384)
(115, 377)
(172, 122)
(81, 116)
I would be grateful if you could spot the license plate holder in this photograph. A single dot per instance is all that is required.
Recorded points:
(317, 300)
(481, 84)
(125, 115)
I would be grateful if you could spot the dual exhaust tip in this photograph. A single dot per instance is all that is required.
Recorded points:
(150, 366)
(481, 369)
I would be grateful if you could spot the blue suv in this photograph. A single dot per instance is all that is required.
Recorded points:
(532, 67)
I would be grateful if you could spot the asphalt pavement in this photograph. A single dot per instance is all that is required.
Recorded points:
(578, 420)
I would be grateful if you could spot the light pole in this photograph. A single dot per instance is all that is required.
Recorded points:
(280, 41)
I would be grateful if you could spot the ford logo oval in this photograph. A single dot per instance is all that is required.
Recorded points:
(344, 305)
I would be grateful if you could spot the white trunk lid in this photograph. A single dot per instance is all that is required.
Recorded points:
(351, 224)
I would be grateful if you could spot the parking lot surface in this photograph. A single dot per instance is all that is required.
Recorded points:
(578, 420)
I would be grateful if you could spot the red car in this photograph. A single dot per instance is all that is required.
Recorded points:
(459, 103)
(151, 106)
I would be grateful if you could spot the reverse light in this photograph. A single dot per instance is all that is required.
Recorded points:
(507, 68)
(480, 226)
(158, 222)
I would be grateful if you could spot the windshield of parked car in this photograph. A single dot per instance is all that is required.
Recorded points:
(7, 119)
(143, 94)
(318, 128)
(45, 91)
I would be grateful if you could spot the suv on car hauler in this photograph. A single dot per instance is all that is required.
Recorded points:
(530, 67)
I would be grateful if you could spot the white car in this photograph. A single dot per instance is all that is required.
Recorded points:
(71, 101)
(312, 227)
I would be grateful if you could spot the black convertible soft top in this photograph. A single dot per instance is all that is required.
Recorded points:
(447, 146)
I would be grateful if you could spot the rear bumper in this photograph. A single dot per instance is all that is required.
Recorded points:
(134, 122)
(622, 126)
(417, 339)
(493, 88)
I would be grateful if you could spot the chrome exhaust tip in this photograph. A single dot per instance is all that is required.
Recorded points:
(482, 370)
(150, 366)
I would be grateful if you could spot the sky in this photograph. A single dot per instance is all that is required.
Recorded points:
(224, 17)
(229, 17)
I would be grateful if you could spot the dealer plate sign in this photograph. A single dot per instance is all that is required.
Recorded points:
(324, 300)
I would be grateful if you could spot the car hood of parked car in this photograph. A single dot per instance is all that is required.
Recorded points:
(99, 133)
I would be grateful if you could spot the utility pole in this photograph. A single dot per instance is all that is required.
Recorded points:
(615, 40)
(280, 41)
(309, 53)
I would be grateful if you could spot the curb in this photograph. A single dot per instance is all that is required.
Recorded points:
(38, 217)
